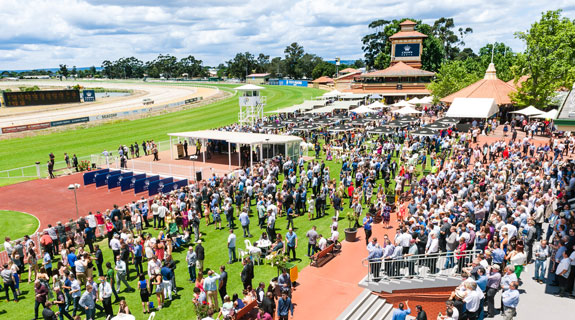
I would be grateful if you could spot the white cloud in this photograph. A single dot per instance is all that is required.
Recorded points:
(45, 33)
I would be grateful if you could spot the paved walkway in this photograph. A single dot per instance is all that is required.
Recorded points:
(325, 292)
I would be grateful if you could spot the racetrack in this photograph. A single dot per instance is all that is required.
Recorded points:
(160, 94)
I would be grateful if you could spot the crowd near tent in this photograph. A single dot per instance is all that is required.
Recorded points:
(480, 108)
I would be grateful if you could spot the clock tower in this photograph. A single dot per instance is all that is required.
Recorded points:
(407, 44)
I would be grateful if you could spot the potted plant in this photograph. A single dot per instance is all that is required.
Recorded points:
(351, 231)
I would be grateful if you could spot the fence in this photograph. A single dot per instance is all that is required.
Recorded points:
(419, 265)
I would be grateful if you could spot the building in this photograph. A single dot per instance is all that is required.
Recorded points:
(565, 120)
(258, 78)
(404, 78)
(322, 81)
(488, 87)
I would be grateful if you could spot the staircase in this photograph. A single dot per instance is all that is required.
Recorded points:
(367, 306)
(390, 285)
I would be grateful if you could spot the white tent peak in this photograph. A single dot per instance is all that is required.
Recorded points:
(406, 110)
(529, 111)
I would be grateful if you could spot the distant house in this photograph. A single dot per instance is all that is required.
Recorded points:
(258, 78)
(324, 81)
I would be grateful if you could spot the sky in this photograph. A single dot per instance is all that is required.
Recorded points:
(46, 33)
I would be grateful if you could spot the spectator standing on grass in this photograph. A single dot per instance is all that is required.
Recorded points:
(87, 302)
(9, 282)
(211, 286)
(312, 241)
(291, 243)
(121, 274)
(245, 222)
(232, 247)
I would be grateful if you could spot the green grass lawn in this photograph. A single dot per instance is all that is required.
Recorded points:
(15, 225)
(18, 152)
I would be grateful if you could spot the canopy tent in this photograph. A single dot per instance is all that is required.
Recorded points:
(414, 101)
(381, 130)
(273, 125)
(377, 105)
(439, 125)
(306, 127)
(291, 143)
(363, 109)
(331, 94)
(324, 121)
(403, 103)
(353, 96)
(336, 105)
(406, 110)
(341, 128)
(406, 119)
(529, 111)
(551, 114)
(396, 124)
(426, 100)
(447, 120)
(424, 132)
(375, 96)
(291, 109)
(481, 108)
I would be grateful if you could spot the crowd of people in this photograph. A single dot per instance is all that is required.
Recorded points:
(491, 199)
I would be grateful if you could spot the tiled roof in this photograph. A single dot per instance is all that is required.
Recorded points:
(407, 23)
(408, 34)
(485, 88)
(348, 70)
(399, 69)
(323, 79)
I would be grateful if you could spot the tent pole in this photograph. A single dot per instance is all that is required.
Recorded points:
(229, 156)
(171, 147)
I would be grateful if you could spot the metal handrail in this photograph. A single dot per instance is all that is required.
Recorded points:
(419, 265)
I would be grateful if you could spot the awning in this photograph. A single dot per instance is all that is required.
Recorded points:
(481, 108)
(551, 114)
(236, 137)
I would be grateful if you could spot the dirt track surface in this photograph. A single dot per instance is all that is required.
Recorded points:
(160, 94)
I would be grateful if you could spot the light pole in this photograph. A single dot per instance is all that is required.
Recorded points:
(75, 186)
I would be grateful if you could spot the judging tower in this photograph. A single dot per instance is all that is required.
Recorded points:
(251, 104)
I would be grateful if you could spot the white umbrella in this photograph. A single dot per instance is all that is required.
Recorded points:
(406, 110)
(414, 101)
(377, 105)
(362, 109)
(426, 100)
(529, 111)
(551, 114)
(403, 103)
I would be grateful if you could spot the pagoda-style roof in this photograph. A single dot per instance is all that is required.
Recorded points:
(407, 23)
(408, 34)
(488, 87)
(400, 69)
(323, 79)
(348, 70)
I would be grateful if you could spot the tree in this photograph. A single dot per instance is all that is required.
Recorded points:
(262, 63)
(443, 30)
(306, 65)
(376, 42)
(293, 53)
(191, 66)
(74, 71)
(64, 70)
(503, 57)
(549, 59)
(377, 45)
(323, 69)
(452, 77)
(276, 67)
(241, 65)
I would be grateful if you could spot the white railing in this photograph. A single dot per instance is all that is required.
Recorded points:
(420, 265)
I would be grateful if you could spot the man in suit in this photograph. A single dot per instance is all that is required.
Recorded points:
(200, 256)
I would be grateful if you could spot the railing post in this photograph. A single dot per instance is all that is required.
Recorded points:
(38, 170)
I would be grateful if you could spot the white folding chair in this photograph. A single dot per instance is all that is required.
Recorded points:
(152, 316)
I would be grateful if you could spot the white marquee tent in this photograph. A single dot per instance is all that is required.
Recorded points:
(403, 103)
(551, 114)
(406, 110)
(481, 108)
(529, 111)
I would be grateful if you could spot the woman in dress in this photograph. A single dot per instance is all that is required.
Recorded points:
(144, 293)
(159, 288)
(32, 262)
